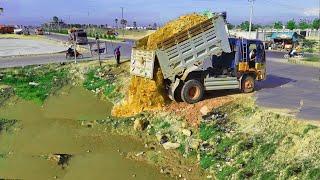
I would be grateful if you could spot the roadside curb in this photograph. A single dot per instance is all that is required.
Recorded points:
(305, 63)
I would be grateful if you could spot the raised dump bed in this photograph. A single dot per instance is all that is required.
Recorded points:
(183, 50)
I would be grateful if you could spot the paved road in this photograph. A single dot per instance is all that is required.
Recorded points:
(292, 87)
(111, 45)
(288, 86)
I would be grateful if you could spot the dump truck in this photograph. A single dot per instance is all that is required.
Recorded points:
(78, 35)
(202, 58)
(39, 31)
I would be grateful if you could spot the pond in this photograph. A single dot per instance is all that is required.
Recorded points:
(43, 132)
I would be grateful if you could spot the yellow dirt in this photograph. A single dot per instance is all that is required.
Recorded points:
(145, 94)
(171, 28)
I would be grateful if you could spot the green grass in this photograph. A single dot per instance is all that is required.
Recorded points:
(256, 144)
(93, 82)
(312, 59)
(48, 79)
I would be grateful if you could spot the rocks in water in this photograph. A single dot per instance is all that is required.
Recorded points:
(61, 159)
(140, 124)
(170, 145)
(140, 154)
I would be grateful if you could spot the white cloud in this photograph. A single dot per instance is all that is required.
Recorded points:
(312, 12)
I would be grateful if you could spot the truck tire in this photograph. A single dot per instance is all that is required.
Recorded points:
(192, 91)
(247, 84)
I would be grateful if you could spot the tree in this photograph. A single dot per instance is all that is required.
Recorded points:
(116, 21)
(230, 26)
(55, 19)
(316, 23)
(135, 24)
(303, 24)
(245, 26)
(278, 25)
(291, 24)
(155, 25)
(124, 22)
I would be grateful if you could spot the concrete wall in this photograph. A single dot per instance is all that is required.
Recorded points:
(265, 34)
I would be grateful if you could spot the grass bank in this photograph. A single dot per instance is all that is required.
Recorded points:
(243, 141)
(16, 36)
(34, 83)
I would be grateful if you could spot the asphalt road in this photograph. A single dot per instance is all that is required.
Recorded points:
(292, 87)
(111, 45)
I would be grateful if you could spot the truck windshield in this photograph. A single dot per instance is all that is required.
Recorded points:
(82, 34)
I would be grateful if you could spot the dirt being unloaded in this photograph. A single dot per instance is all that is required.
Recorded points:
(146, 94)
(143, 95)
(173, 27)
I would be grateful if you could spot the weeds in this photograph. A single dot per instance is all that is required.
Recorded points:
(6, 125)
(35, 83)
(251, 143)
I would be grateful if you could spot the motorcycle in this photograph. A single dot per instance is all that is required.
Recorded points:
(70, 54)
(296, 55)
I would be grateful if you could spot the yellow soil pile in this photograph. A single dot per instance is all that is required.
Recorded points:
(173, 27)
(145, 94)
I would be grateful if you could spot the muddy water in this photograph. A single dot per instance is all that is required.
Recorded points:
(54, 129)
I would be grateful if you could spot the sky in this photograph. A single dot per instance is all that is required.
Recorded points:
(33, 12)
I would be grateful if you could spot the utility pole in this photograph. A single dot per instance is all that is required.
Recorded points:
(251, 16)
(122, 21)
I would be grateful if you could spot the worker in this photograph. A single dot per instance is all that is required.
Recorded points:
(252, 55)
(70, 50)
(293, 52)
(117, 54)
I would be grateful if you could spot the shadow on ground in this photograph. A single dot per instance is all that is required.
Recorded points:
(272, 81)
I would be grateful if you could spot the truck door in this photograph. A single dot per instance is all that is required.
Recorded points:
(261, 62)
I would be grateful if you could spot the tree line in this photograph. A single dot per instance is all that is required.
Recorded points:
(291, 24)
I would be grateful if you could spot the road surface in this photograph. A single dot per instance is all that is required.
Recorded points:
(292, 87)
(288, 86)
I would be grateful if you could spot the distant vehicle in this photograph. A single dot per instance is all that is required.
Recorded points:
(39, 31)
(6, 29)
(78, 35)
(18, 31)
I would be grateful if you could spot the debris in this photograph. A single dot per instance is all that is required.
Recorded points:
(170, 145)
(140, 125)
(187, 132)
(139, 154)
(204, 110)
(33, 84)
(162, 138)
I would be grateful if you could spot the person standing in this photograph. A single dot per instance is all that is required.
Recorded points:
(117, 54)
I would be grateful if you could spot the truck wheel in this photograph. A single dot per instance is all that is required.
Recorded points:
(247, 84)
(192, 92)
